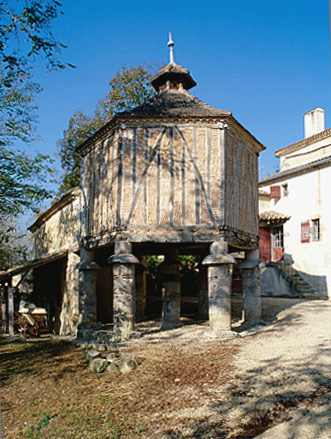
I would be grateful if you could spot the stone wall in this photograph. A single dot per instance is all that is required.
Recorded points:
(59, 226)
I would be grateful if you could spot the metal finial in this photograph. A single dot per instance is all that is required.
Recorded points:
(171, 46)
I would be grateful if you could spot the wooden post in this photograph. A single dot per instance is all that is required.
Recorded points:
(4, 309)
(10, 311)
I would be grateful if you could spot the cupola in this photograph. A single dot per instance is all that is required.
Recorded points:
(172, 76)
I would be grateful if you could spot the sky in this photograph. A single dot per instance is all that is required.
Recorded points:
(266, 61)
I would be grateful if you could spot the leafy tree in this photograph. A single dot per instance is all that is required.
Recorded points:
(25, 35)
(129, 88)
(13, 251)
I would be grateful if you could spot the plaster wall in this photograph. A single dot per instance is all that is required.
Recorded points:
(309, 153)
(308, 199)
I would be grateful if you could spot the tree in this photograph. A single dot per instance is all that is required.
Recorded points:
(13, 251)
(129, 88)
(25, 35)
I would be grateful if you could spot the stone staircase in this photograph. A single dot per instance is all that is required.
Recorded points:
(299, 286)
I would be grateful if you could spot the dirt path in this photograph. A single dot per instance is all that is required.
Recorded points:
(280, 385)
(286, 371)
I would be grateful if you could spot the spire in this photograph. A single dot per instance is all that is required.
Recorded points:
(171, 49)
(172, 76)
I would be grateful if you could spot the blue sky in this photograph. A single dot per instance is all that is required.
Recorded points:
(266, 61)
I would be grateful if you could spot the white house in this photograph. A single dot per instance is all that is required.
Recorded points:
(295, 204)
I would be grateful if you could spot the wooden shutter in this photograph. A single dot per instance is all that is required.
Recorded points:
(305, 231)
(275, 192)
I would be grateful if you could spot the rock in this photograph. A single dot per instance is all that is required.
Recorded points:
(111, 357)
(112, 368)
(134, 357)
(91, 355)
(128, 365)
(137, 358)
(98, 365)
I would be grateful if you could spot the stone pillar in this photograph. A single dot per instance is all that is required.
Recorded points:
(124, 288)
(87, 288)
(250, 270)
(203, 292)
(170, 284)
(141, 290)
(219, 286)
(69, 316)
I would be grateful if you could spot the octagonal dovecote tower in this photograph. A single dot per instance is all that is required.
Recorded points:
(173, 175)
(171, 164)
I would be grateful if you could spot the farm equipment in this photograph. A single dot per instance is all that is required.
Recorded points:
(31, 321)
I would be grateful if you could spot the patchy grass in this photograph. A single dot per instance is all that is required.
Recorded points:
(49, 392)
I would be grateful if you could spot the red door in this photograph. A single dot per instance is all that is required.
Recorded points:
(264, 244)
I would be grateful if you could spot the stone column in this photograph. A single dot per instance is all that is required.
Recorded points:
(170, 284)
(87, 288)
(70, 305)
(203, 292)
(219, 286)
(250, 270)
(124, 288)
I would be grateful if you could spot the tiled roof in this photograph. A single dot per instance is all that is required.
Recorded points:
(270, 216)
(304, 142)
(175, 72)
(174, 103)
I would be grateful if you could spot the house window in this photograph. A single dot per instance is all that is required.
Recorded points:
(278, 237)
(316, 229)
(285, 190)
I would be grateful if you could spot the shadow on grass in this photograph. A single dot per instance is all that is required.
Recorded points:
(21, 358)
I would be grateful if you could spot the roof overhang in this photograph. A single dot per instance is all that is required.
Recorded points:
(51, 257)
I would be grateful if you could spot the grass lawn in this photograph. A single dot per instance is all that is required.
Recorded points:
(48, 391)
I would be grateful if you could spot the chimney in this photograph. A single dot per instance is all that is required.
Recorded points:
(314, 122)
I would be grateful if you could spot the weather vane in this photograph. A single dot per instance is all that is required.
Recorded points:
(171, 45)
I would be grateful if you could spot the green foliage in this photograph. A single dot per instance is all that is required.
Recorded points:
(129, 88)
(12, 250)
(20, 178)
(25, 34)
(17, 109)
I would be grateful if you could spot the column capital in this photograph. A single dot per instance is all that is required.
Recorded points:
(218, 259)
(127, 258)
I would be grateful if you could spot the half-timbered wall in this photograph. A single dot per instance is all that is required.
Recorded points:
(170, 176)
(241, 189)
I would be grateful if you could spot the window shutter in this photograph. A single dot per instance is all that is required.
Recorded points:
(305, 231)
(275, 192)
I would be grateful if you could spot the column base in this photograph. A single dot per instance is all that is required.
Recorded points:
(220, 334)
(164, 325)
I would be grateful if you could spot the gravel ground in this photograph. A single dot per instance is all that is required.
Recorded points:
(281, 383)
(286, 368)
